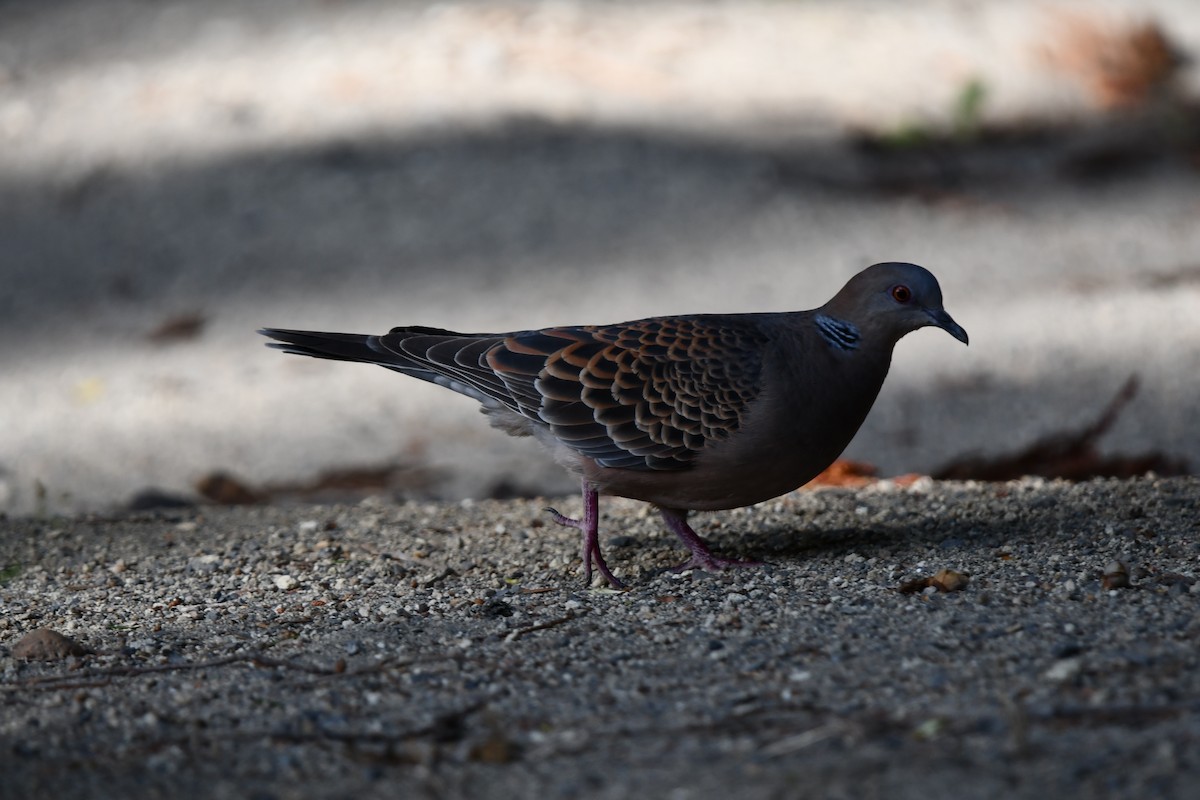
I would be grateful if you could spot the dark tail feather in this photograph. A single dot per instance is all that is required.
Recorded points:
(336, 346)
(371, 350)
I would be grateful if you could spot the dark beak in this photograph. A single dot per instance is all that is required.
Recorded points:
(944, 321)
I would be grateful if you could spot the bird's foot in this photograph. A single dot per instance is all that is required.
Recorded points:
(702, 557)
(590, 527)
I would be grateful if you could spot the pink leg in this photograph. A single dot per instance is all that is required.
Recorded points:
(702, 557)
(590, 526)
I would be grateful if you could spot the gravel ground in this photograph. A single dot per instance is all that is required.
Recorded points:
(174, 175)
(443, 650)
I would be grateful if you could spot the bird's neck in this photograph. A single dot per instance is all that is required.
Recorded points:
(868, 344)
(838, 334)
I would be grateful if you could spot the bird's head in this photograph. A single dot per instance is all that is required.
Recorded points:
(887, 301)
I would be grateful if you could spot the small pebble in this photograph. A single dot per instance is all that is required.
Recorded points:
(284, 582)
(1116, 576)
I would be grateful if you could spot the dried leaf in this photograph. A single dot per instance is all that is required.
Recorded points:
(945, 580)
(178, 328)
(846, 473)
(336, 484)
(226, 490)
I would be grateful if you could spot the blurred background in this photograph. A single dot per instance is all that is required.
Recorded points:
(177, 173)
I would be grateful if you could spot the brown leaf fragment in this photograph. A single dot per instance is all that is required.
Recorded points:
(342, 484)
(846, 473)
(178, 328)
(948, 580)
(224, 489)
(44, 644)
(945, 580)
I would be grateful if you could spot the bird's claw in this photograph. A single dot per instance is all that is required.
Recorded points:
(562, 519)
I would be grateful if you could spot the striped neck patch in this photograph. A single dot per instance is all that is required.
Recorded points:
(837, 332)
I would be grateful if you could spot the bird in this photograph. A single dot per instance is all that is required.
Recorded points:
(696, 412)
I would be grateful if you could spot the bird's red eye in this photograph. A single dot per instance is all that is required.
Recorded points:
(901, 293)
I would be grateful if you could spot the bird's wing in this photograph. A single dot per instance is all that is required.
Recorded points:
(639, 395)
(648, 395)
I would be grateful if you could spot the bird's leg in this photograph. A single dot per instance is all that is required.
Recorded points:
(702, 557)
(590, 526)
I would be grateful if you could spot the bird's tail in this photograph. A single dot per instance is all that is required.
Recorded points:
(447, 358)
(335, 346)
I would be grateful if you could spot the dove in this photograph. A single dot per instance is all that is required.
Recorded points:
(699, 412)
